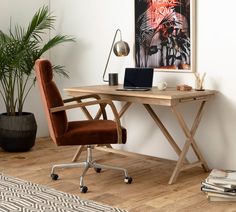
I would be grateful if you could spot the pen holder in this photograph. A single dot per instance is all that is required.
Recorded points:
(113, 79)
(199, 81)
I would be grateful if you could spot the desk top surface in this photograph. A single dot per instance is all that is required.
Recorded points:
(154, 93)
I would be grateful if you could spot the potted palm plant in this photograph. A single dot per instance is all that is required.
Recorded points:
(19, 49)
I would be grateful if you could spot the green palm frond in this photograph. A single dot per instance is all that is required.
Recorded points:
(58, 39)
(3, 38)
(58, 69)
(18, 52)
(42, 20)
(18, 33)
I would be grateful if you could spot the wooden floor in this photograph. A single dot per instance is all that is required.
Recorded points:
(149, 191)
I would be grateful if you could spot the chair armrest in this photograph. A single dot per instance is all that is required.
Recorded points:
(89, 96)
(79, 98)
(95, 102)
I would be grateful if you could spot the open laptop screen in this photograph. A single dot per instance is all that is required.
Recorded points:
(138, 77)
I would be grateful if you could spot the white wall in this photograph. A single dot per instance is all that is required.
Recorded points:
(93, 23)
(20, 12)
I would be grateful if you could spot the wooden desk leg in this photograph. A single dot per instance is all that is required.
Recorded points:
(124, 109)
(193, 131)
(99, 113)
(179, 162)
(78, 153)
(189, 141)
(86, 113)
(164, 131)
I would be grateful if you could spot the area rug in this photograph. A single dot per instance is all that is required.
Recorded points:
(20, 195)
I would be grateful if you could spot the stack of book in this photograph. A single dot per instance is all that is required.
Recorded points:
(220, 185)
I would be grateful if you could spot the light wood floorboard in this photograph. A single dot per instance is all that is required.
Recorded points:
(149, 191)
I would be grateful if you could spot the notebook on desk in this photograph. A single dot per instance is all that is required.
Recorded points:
(137, 79)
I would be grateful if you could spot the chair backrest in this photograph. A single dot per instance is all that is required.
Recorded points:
(57, 122)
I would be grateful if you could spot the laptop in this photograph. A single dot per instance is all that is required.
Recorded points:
(137, 79)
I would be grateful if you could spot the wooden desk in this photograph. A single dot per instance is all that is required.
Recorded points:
(170, 98)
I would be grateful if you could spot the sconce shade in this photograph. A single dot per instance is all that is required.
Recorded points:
(121, 48)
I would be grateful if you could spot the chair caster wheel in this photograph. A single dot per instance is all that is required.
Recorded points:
(98, 170)
(128, 180)
(54, 176)
(83, 189)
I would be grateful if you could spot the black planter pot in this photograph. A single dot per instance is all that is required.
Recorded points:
(17, 133)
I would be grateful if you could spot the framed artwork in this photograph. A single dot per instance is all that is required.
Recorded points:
(165, 34)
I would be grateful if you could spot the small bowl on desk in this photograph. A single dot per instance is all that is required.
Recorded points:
(183, 87)
(161, 86)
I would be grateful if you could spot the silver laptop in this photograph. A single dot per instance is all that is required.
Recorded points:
(137, 79)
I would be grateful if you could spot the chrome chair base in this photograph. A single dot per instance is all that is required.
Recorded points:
(89, 163)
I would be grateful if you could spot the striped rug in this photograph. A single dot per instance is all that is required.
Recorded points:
(20, 195)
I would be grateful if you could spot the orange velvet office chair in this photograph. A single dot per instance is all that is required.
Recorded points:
(82, 132)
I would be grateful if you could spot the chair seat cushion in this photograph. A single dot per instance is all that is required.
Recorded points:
(91, 132)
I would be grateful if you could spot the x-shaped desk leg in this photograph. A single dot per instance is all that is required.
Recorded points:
(182, 163)
(164, 130)
(189, 141)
